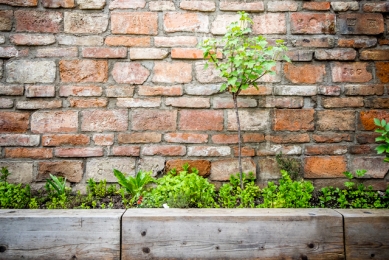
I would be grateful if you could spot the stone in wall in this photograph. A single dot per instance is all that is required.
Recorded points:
(28, 71)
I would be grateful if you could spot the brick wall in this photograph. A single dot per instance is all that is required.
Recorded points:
(89, 85)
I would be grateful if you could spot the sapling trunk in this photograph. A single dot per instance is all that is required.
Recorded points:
(235, 98)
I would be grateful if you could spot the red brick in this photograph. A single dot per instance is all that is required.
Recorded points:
(175, 41)
(71, 170)
(366, 119)
(375, 166)
(128, 41)
(161, 6)
(40, 91)
(377, 103)
(88, 102)
(383, 41)
(288, 138)
(64, 139)
(79, 152)
(119, 91)
(364, 90)
(185, 22)
(6, 103)
(353, 23)
(261, 91)
(38, 104)
(143, 137)
(127, 4)
(20, 2)
(306, 73)
(357, 42)
(314, 42)
(164, 150)
(126, 150)
(191, 102)
(19, 140)
(250, 119)
(175, 90)
(34, 21)
(239, 6)
(325, 167)
(91, 23)
(209, 151)
(362, 149)
(253, 138)
(336, 54)
(56, 52)
(190, 53)
(139, 23)
(222, 169)
(282, 102)
(366, 138)
(103, 139)
(172, 72)
(104, 120)
(317, 6)
(371, 54)
(350, 72)
(203, 166)
(245, 151)
(8, 52)
(102, 52)
(382, 71)
(189, 138)
(201, 120)
(54, 121)
(224, 139)
(282, 6)
(83, 70)
(58, 3)
(376, 7)
(329, 90)
(325, 149)
(342, 102)
(14, 122)
(329, 120)
(32, 153)
(161, 120)
(138, 102)
(130, 73)
(312, 23)
(269, 168)
(331, 138)
(293, 120)
(202, 6)
(148, 54)
(80, 91)
(269, 23)
(229, 103)
(6, 20)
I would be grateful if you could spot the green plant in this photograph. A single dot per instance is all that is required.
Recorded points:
(13, 195)
(247, 59)
(100, 189)
(383, 129)
(56, 185)
(289, 164)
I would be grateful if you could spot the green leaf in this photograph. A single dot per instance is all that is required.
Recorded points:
(377, 122)
(381, 148)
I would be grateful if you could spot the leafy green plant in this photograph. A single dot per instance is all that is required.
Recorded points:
(247, 59)
(289, 164)
(56, 184)
(13, 196)
(100, 189)
(383, 129)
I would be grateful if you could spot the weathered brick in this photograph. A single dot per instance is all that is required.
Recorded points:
(54, 121)
(128, 41)
(366, 121)
(191, 102)
(148, 54)
(186, 53)
(175, 90)
(377, 103)
(342, 102)
(269, 23)
(6, 20)
(324, 167)
(93, 40)
(295, 90)
(253, 137)
(221, 22)
(126, 150)
(219, 102)
(282, 6)
(239, 6)
(245, 151)
(83, 70)
(354, 23)
(382, 54)
(56, 52)
(127, 4)
(153, 163)
(300, 55)
(222, 169)
(161, 120)
(143, 23)
(331, 137)
(79, 152)
(382, 71)
(164, 150)
(259, 91)
(142, 137)
(314, 42)
(209, 75)
(101, 168)
(80, 91)
(224, 139)
(32, 153)
(38, 104)
(22, 172)
(172, 72)
(103, 52)
(20, 2)
(104, 120)
(350, 72)
(203, 166)
(185, 22)
(268, 168)
(162, 6)
(345, 6)
(40, 90)
(332, 120)
(306, 73)
(250, 120)
(29, 71)
(366, 138)
(119, 91)
(288, 138)
(357, 42)
(175, 41)
(14, 122)
(336, 54)
(130, 72)
(189, 138)
(202, 89)
(267, 149)
(202, 6)
(58, 3)
(64, 139)
(71, 170)
(375, 166)
(87, 102)
(209, 151)
(88, 23)
(201, 120)
(383, 41)
(317, 6)
(293, 120)
(281, 102)
(312, 23)
(6, 103)
(376, 7)
(2, 39)
(364, 90)
(138, 102)
(91, 4)
(35, 21)
(361, 149)
(103, 139)
(19, 140)
(325, 149)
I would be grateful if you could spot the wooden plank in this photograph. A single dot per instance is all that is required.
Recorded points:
(60, 234)
(232, 234)
(366, 233)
